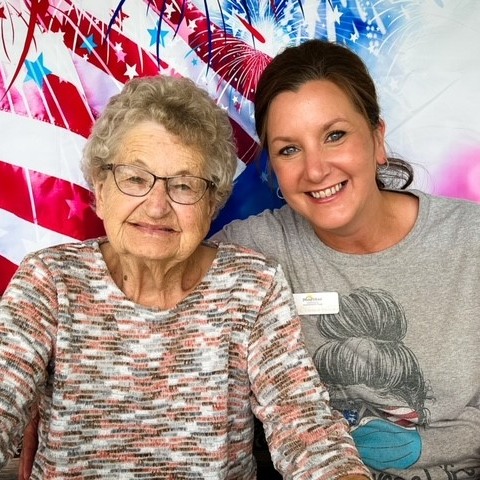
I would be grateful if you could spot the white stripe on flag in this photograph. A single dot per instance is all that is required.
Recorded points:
(42, 147)
(19, 237)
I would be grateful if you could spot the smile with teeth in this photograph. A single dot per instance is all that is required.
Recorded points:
(328, 192)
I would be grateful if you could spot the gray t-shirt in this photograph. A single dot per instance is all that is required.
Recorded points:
(401, 357)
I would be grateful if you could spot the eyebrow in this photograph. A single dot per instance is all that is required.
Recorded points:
(141, 164)
(327, 126)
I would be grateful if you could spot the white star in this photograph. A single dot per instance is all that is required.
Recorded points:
(355, 35)
(191, 25)
(169, 10)
(336, 14)
(131, 71)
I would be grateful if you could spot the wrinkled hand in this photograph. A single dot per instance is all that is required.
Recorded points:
(29, 448)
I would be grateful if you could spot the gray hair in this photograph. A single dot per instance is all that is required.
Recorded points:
(183, 109)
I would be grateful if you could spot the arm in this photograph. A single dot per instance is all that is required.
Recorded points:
(307, 440)
(26, 331)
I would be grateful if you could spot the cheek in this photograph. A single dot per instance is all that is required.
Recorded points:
(104, 202)
(107, 214)
(106, 196)
(112, 206)
(286, 173)
(276, 166)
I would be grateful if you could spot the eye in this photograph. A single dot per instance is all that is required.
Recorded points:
(184, 187)
(289, 150)
(130, 175)
(335, 136)
(182, 184)
(136, 180)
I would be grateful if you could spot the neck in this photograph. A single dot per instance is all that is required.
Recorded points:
(386, 226)
(156, 283)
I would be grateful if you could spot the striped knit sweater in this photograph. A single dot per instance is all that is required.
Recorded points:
(128, 392)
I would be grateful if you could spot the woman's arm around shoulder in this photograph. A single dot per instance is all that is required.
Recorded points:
(307, 440)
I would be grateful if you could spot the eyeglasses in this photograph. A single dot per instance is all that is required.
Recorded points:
(138, 182)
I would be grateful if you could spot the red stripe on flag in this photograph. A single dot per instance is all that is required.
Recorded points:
(66, 106)
(59, 205)
(7, 270)
(65, 207)
(247, 147)
(14, 197)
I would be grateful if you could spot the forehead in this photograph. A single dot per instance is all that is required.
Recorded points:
(315, 92)
(148, 133)
(316, 104)
(150, 143)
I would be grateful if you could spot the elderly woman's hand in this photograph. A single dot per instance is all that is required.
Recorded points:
(29, 448)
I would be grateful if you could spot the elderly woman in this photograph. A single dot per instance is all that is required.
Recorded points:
(148, 350)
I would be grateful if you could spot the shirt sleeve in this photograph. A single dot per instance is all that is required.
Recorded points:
(307, 440)
(27, 329)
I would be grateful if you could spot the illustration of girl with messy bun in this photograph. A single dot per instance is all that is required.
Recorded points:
(374, 378)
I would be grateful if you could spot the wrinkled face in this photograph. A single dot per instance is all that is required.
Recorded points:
(153, 227)
(325, 155)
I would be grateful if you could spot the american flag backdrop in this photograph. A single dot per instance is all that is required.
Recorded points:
(60, 61)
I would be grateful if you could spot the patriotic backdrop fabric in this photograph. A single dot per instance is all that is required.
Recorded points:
(60, 61)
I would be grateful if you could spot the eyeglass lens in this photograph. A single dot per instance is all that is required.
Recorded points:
(136, 181)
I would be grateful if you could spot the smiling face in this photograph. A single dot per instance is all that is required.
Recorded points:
(325, 156)
(153, 227)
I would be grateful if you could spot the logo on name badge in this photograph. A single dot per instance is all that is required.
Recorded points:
(319, 303)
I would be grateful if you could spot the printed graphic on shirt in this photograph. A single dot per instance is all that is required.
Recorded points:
(374, 378)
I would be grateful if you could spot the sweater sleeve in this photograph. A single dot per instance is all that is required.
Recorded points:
(307, 440)
(27, 329)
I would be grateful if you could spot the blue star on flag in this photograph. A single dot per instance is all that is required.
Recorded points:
(89, 44)
(154, 34)
(37, 71)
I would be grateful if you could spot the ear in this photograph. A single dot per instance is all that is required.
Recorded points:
(99, 190)
(211, 206)
(379, 139)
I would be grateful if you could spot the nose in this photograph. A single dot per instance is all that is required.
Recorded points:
(315, 164)
(157, 201)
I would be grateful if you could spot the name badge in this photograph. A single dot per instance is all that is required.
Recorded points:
(319, 303)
